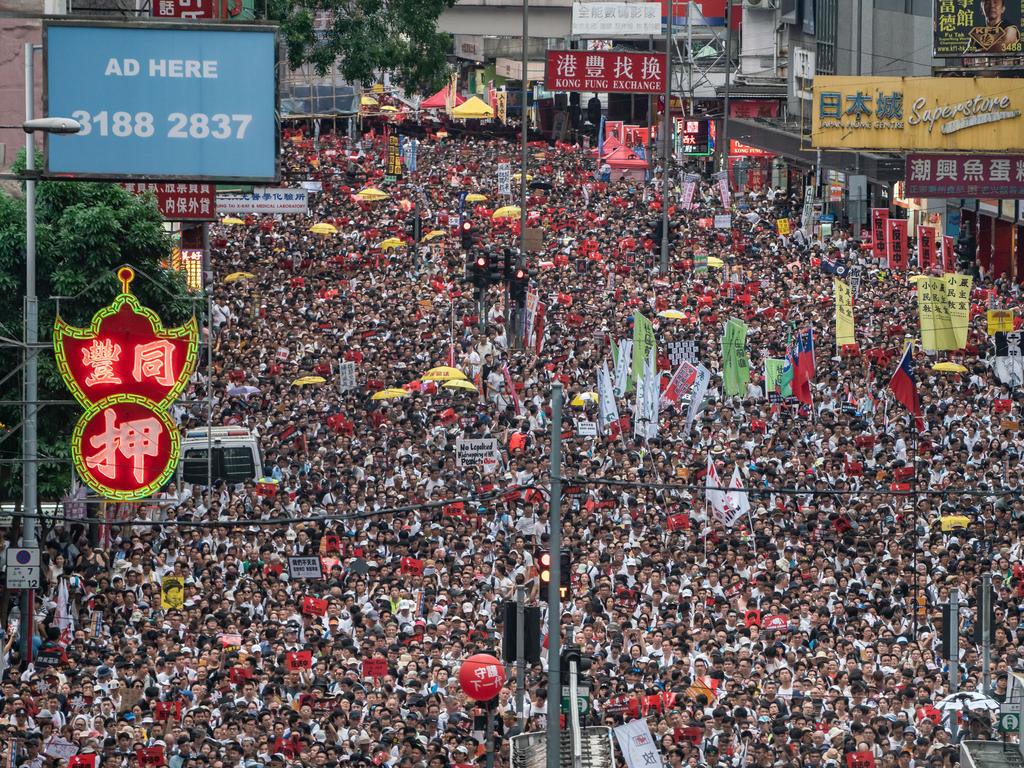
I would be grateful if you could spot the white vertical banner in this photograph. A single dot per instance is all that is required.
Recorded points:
(638, 745)
(606, 398)
(700, 389)
(652, 400)
(504, 178)
(723, 188)
(622, 366)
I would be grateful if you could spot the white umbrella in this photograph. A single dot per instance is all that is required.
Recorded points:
(969, 701)
(243, 391)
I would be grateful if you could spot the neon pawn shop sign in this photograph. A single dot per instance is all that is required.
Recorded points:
(126, 370)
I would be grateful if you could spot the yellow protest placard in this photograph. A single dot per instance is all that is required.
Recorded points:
(1000, 321)
(782, 227)
(172, 593)
(943, 305)
(845, 331)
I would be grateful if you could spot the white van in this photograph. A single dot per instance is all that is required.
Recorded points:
(236, 455)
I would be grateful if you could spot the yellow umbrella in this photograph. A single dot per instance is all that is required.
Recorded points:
(368, 101)
(231, 220)
(459, 384)
(234, 277)
(583, 398)
(304, 380)
(672, 314)
(915, 278)
(714, 261)
(323, 228)
(391, 393)
(476, 197)
(506, 212)
(372, 193)
(948, 367)
(516, 175)
(951, 522)
(443, 373)
(432, 234)
(391, 242)
(388, 108)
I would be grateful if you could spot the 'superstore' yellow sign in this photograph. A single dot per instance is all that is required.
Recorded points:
(905, 113)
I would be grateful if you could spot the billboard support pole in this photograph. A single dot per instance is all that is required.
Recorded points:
(29, 446)
(666, 141)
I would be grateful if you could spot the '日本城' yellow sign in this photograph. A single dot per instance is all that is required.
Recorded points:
(904, 113)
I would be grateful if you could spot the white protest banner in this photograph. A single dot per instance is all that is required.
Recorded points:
(700, 389)
(59, 749)
(723, 221)
(638, 745)
(602, 19)
(312, 186)
(476, 452)
(689, 187)
(723, 187)
(504, 178)
(620, 378)
(305, 568)
(606, 397)
(347, 376)
(265, 200)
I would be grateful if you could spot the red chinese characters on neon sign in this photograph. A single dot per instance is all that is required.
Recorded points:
(126, 370)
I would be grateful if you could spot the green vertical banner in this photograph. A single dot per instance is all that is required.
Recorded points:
(735, 366)
(643, 343)
(776, 385)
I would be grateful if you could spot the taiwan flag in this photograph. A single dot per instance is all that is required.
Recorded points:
(904, 385)
(802, 362)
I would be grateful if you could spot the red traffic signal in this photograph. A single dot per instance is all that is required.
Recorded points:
(481, 262)
(466, 226)
(544, 566)
(520, 274)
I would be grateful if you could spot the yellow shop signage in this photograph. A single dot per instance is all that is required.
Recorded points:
(905, 113)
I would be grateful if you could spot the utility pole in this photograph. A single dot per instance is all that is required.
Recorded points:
(30, 447)
(554, 598)
(954, 655)
(985, 620)
(521, 657)
(728, 85)
(666, 130)
(574, 715)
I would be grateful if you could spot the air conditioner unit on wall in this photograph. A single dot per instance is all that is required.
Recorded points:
(765, 5)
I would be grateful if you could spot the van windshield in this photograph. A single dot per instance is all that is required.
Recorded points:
(233, 465)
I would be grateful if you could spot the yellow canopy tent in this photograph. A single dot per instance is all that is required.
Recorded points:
(473, 109)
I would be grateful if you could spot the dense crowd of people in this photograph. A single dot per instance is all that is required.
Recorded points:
(847, 538)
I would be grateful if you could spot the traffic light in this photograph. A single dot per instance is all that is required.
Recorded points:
(531, 633)
(466, 234)
(496, 267)
(510, 263)
(564, 574)
(572, 653)
(480, 276)
(518, 285)
(544, 572)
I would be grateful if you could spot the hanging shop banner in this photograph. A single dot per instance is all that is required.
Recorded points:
(879, 232)
(126, 370)
(161, 100)
(999, 176)
(988, 28)
(616, 19)
(181, 202)
(605, 72)
(907, 113)
(266, 200)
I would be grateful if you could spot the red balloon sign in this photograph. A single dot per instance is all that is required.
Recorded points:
(481, 677)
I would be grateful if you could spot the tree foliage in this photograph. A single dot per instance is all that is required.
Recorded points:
(84, 232)
(368, 37)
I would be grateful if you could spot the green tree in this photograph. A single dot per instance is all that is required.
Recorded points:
(368, 37)
(84, 231)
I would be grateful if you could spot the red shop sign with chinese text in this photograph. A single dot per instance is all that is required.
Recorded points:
(181, 202)
(183, 9)
(605, 72)
(126, 370)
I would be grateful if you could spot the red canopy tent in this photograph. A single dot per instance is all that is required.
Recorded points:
(440, 99)
(625, 162)
(610, 145)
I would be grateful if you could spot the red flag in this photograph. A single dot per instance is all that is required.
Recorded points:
(314, 606)
(298, 660)
(904, 387)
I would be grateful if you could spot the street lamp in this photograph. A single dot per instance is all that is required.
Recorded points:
(29, 441)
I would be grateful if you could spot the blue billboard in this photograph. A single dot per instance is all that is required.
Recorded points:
(163, 100)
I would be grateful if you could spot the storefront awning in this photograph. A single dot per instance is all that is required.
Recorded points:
(786, 142)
